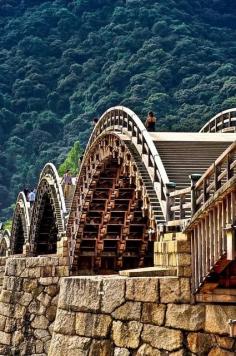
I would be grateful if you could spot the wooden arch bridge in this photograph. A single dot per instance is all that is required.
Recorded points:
(142, 199)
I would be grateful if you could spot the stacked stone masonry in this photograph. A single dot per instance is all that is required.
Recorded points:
(42, 313)
(105, 316)
(28, 304)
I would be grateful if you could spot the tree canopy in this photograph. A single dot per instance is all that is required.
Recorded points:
(62, 63)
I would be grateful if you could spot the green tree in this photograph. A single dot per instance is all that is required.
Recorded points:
(72, 160)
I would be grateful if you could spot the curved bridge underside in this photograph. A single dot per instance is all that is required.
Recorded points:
(48, 214)
(116, 208)
(4, 243)
(20, 224)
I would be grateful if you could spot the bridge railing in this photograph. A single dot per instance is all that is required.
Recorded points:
(216, 175)
(184, 203)
(224, 121)
(50, 170)
(125, 120)
(213, 210)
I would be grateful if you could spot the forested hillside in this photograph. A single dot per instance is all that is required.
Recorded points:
(64, 62)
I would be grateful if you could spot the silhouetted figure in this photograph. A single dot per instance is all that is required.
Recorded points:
(95, 121)
(151, 122)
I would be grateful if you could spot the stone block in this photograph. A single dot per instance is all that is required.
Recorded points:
(101, 348)
(37, 308)
(51, 313)
(185, 316)
(6, 309)
(80, 294)
(113, 293)
(52, 290)
(153, 313)
(34, 272)
(127, 334)
(183, 246)
(47, 281)
(162, 338)
(69, 345)
(128, 311)
(121, 352)
(42, 335)
(25, 299)
(147, 350)
(225, 342)
(11, 324)
(40, 322)
(64, 322)
(29, 285)
(5, 338)
(142, 289)
(92, 325)
(199, 343)
(62, 271)
(217, 317)
(19, 311)
(47, 271)
(175, 290)
(2, 323)
(44, 299)
(216, 351)
(17, 338)
(183, 259)
(15, 266)
(6, 296)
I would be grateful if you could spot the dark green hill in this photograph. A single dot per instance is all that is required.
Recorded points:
(64, 62)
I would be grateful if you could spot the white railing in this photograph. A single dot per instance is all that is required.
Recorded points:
(223, 121)
(120, 118)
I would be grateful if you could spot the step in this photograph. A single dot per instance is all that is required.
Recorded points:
(149, 272)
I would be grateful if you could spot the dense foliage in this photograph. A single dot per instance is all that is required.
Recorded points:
(72, 160)
(64, 62)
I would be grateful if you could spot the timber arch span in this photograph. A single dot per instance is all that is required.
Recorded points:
(133, 189)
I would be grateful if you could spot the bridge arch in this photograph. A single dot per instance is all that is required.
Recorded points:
(48, 214)
(129, 154)
(20, 224)
(5, 243)
(225, 121)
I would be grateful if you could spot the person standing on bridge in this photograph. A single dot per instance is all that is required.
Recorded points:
(67, 182)
(151, 122)
(32, 198)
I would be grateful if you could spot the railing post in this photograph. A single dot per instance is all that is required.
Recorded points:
(231, 243)
(194, 178)
(229, 161)
(170, 187)
(217, 170)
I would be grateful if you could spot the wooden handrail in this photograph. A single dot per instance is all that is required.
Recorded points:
(218, 161)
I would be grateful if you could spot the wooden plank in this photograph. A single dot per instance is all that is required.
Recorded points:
(219, 228)
(179, 192)
(211, 239)
(215, 235)
(199, 255)
(203, 250)
(207, 251)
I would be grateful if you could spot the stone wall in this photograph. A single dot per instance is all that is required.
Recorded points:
(105, 316)
(3, 261)
(28, 304)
